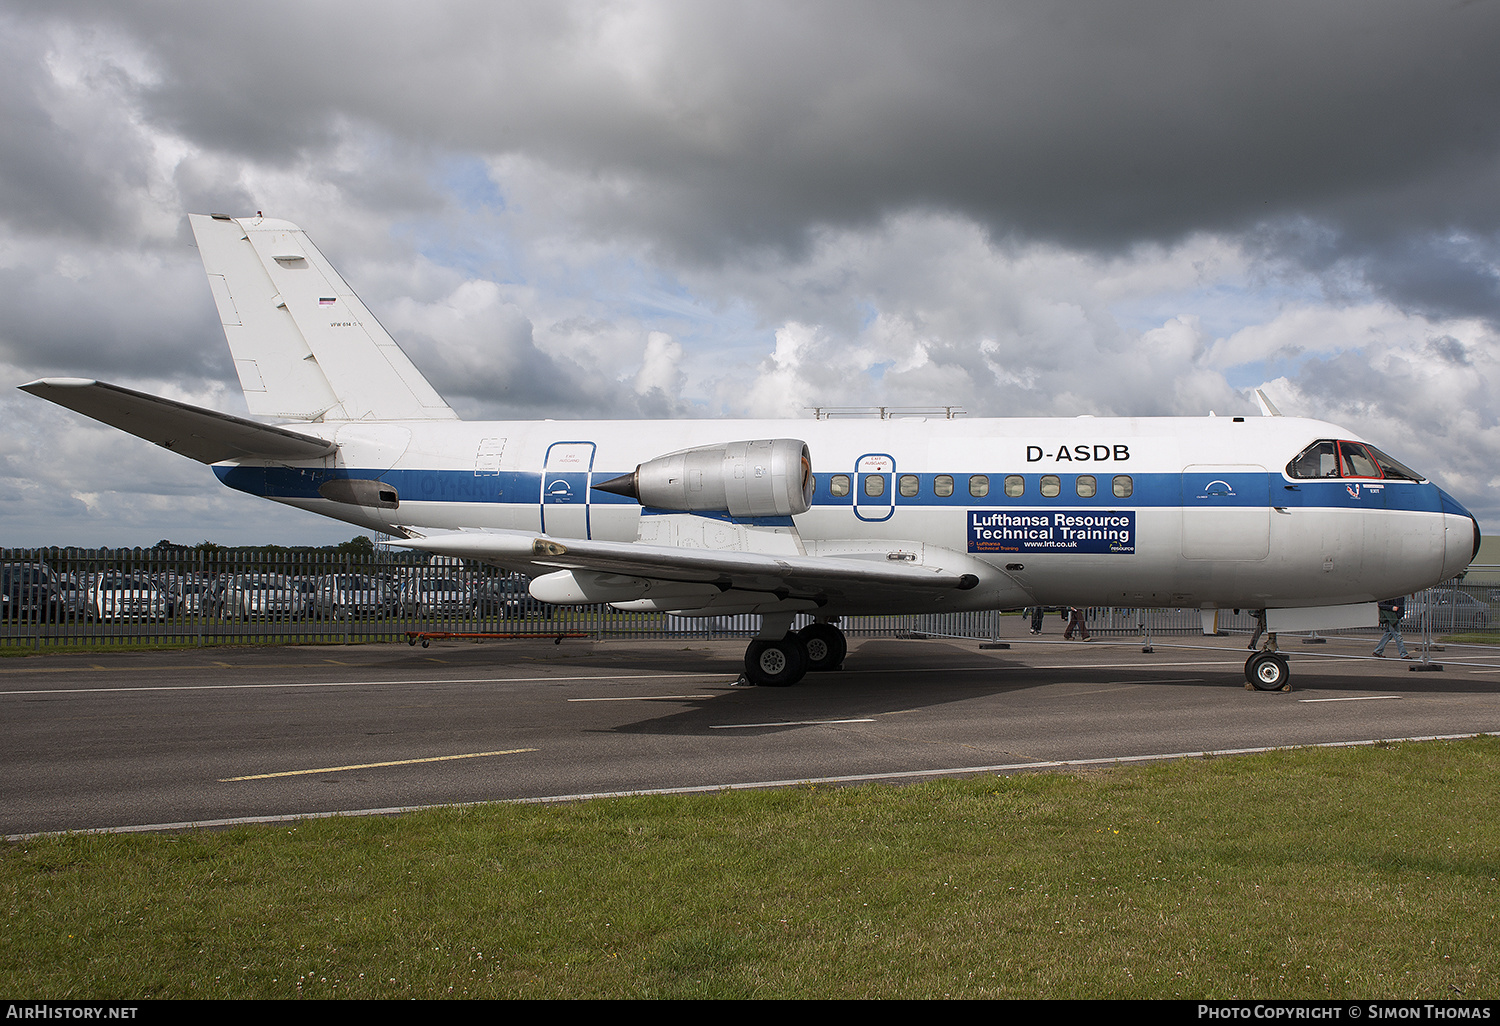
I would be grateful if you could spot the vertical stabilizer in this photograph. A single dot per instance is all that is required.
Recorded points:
(304, 345)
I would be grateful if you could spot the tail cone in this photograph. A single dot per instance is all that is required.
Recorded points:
(623, 485)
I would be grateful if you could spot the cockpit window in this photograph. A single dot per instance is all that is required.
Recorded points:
(1328, 458)
(1318, 460)
(1356, 460)
(1391, 468)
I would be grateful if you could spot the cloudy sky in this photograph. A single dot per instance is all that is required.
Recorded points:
(700, 209)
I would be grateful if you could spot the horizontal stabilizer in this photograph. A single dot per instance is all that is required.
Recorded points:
(204, 435)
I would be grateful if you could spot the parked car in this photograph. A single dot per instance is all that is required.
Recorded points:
(193, 596)
(505, 596)
(437, 596)
(1451, 611)
(248, 596)
(29, 591)
(343, 595)
(73, 597)
(116, 595)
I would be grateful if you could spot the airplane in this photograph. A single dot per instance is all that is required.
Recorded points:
(1301, 521)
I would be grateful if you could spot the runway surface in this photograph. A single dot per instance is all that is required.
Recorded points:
(210, 735)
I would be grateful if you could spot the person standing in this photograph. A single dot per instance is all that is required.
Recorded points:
(1391, 612)
(1037, 612)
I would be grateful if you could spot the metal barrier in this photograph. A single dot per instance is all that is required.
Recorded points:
(56, 598)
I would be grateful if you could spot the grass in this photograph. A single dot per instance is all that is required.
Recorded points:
(1365, 873)
(1477, 638)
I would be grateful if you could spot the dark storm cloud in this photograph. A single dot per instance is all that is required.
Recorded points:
(1098, 122)
(708, 127)
(52, 180)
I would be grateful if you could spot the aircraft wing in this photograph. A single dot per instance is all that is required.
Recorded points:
(205, 435)
(750, 571)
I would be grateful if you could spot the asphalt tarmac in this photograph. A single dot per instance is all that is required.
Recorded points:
(159, 740)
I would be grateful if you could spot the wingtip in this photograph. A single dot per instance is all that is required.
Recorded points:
(42, 384)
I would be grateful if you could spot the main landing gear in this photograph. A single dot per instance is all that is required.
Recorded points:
(1267, 670)
(782, 662)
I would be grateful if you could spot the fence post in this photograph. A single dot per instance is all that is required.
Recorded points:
(995, 641)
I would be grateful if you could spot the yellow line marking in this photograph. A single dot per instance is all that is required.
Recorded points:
(373, 765)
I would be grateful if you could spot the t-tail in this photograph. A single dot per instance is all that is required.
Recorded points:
(304, 346)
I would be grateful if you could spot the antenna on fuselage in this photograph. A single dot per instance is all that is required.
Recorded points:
(1267, 408)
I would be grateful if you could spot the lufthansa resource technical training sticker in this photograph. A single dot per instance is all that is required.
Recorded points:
(1052, 530)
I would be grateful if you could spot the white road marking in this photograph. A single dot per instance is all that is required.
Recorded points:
(640, 698)
(354, 683)
(1362, 698)
(786, 723)
(746, 786)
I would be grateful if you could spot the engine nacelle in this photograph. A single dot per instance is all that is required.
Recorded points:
(764, 478)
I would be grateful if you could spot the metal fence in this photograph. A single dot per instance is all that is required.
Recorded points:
(211, 596)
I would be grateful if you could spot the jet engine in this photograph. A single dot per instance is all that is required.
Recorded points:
(764, 478)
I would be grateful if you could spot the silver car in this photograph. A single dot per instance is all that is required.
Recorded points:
(1451, 611)
(254, 596)
(354, 595)
(437, 596)
(117, 595)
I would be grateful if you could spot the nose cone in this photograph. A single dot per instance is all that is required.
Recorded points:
(1460, 537)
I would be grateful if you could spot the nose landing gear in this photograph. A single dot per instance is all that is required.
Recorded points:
(1266, 670)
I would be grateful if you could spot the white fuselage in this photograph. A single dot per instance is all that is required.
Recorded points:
(1136, 512)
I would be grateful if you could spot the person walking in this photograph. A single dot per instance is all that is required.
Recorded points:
(1076, 621)
(1391, 612)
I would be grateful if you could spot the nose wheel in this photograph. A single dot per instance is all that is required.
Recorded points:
(1268, 671)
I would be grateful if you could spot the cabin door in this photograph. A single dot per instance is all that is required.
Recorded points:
(1226, 512)
(567, 475)
(874, 486)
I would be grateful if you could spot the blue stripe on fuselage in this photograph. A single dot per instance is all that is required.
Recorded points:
(1147, 490)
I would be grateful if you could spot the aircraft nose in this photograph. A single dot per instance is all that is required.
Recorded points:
(1460, 537)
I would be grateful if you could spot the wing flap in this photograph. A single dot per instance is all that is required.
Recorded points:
(204, 435)
(750, 571)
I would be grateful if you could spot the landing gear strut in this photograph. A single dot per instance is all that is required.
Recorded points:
(782, 662)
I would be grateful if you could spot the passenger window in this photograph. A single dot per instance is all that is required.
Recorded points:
(942, 485)
(979, 485)
(1015, 485)
(1051, 486)
(874, 485)
(838, 485)
(1086, 486)
(1123, 486)
(908, 485)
